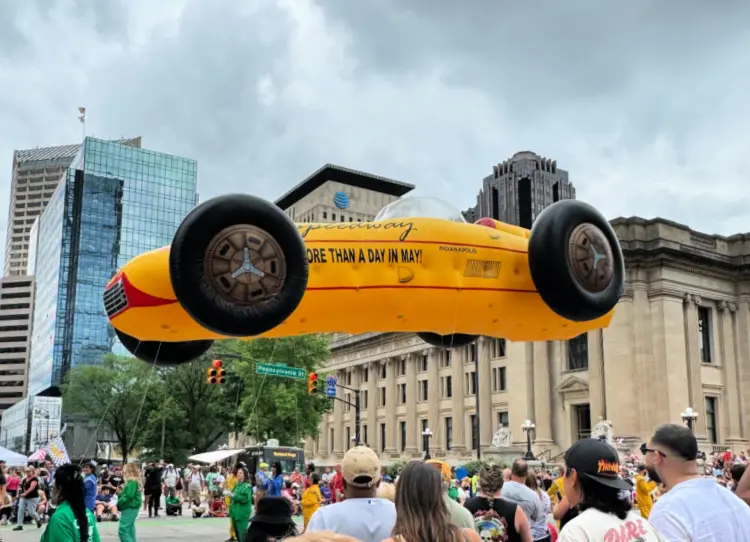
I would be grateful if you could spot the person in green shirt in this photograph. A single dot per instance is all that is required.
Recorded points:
(174, 504)
(71, 522)
(241, 506)
(129, 502)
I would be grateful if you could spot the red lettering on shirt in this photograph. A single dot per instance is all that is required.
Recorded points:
(631, 531)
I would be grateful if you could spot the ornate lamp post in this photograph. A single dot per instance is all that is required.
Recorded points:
(528, 426)
(689, 416)
(426, 436)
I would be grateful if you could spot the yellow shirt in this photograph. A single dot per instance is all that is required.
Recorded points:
(311, 500)
(554, 489)
(643, 498)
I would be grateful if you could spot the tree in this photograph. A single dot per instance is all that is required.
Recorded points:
(192, 414)
(117, 392)
(270, 406)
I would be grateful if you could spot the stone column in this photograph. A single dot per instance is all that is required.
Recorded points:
(731, 374)
(692, 302)
(373, 425)
(596, 375)
(484, 392)
(742, 336)
(356, 385)
(323, 448)
(459, 355)
(338, 417)
(433, 399)
(390, 407)
(542, 414)
(412, 424)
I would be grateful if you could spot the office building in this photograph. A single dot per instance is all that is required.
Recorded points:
(338, 194)
(113, 203)
(35, 176)
(519, 188)
(30, 424)
(16, 306)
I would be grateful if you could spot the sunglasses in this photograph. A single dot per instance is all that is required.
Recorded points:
(645, 449)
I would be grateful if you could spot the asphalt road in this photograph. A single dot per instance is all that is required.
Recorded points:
(147, 530)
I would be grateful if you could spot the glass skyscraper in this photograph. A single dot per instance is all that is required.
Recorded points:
(112, 204)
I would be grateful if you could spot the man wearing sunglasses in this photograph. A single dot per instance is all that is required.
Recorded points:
(695, 508)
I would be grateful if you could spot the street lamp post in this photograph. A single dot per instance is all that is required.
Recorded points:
(426, 436)
(689, 416)
(528, 426)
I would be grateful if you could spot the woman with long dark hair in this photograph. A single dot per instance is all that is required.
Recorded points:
(72, 521)
(421, 512)
(592, 483)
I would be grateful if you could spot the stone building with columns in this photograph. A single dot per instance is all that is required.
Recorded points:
(680, 338)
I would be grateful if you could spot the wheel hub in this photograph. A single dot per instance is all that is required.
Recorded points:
(590, 257)
(244, 265)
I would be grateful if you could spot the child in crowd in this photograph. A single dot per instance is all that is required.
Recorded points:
(218, 509)
(174, 504)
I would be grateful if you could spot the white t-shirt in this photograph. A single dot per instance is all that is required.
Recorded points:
(195, 479)
(591, 525)
(368, 520)
(701, 510)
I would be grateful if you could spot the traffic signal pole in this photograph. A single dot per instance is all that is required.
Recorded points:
(357, 405)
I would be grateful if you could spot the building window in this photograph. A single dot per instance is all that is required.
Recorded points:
(474, 433)
(325, 215)
(333, 216)
(402, 429)
(499, 382)
(402, 394)
(383, 368)
(402, 367)
(423, 390)
(711, 430)
(704, 333)
(348, 437)
(503, 418)
(445, 358)
(448, 432)
(446, 387)
(365, 375)
(423, 425)
(382, 437)
(582, 415)
(364, 396)
(364, 435)
(470, 383)
(348, 404)
(382, 397)
(498, 348)
(423, 363)
(342, 218)
(578, 353)
(472, 353)
(348, 378)
(331, 444)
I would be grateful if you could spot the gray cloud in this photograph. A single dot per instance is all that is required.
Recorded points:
(645, 104)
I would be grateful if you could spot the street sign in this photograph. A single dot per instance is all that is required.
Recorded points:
(331, 381)
(278, 369)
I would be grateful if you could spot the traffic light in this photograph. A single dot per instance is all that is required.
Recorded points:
(312, 383)
(216, 373)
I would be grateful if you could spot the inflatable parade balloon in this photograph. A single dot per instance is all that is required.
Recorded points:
(238, 267)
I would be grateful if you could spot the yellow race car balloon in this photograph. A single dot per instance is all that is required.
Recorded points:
(238, 267)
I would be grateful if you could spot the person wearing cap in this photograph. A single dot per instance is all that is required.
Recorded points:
(592, 482)
(459, 516)
(361, 514)
(693, 508)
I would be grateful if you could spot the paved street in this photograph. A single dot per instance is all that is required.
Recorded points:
(148, 530)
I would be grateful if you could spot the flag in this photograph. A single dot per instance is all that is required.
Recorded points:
(57, 452)
(39, 455)
(82, 114)
(82, 110)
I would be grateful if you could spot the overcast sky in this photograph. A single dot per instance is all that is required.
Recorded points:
(645, 104)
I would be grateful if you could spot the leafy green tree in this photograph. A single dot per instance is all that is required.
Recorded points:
(117, 392)
(270, 406)
(192, 414)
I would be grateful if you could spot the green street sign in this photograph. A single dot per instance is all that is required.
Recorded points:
(276, 369)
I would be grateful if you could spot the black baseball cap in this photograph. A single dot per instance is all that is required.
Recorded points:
(596, 460)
